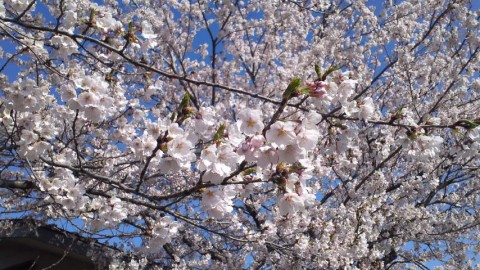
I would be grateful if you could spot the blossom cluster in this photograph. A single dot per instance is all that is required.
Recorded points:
(246, 134)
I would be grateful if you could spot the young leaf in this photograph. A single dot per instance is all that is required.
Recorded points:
(217, 138)
(318, 71)
(328, 71)
(292, 88)
(185, 102)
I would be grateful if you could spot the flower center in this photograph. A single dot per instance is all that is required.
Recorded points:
(250, 123)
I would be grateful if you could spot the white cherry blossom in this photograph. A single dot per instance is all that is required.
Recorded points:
(244, 134)
(290, 203)
(250, 121)
(281, 133)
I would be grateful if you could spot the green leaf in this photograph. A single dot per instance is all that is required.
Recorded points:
(468, 124)
(185, 102)
(328, 71)
(318, 71)
(173, 117)
(164, 147)
(249, 171)
(304, 90)
(297, 167)
(217, 138)
(292, 88)
(131, 33)
(456, 131)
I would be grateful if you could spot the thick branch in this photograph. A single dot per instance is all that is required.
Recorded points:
(16, 184)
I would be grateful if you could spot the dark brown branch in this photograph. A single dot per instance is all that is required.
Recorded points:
(16, 184)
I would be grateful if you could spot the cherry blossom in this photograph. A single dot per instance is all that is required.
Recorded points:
(251, 121)
(290, 203)
(147, 31)
(217, 202)
(245, 134)
(281, 134)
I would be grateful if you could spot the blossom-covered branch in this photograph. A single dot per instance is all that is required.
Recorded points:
(246, 134)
